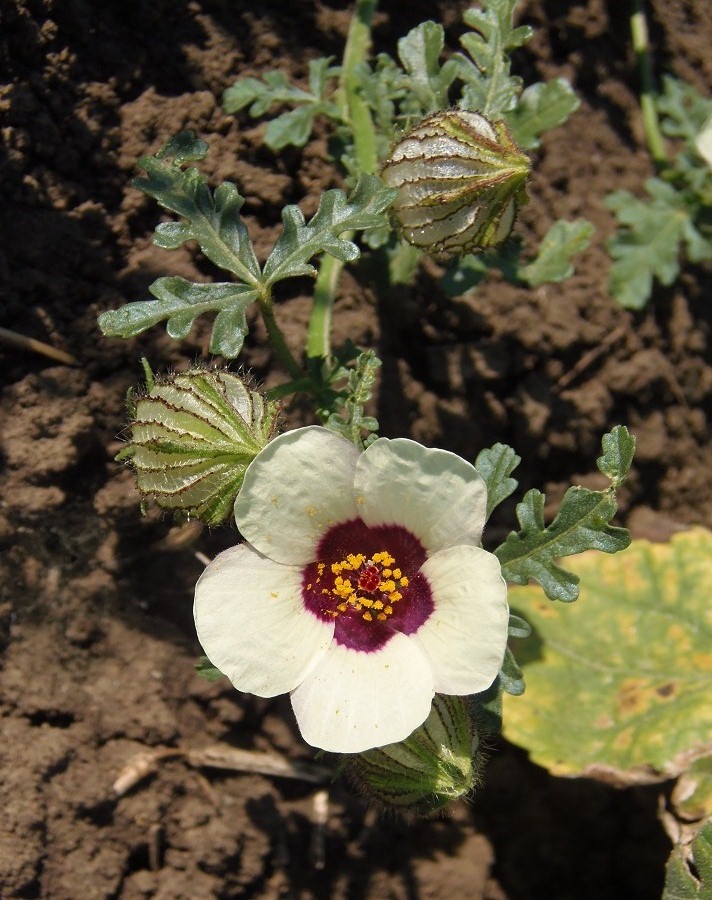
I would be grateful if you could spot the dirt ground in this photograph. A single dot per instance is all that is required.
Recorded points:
(95, 600)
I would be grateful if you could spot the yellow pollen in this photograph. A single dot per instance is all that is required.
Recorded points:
(383, 557)
(348, 579)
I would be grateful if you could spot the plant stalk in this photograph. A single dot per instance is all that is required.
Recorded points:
(356, 114)
(651, 123)
(276, 337)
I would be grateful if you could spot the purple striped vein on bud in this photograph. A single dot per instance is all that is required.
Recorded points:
(460, 181)
(193, 436)
(439, 762)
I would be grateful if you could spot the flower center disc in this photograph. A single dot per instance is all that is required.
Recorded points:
(368, 582)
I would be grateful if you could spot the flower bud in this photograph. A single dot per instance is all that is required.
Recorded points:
(438, 763)
(193, 436)
(460, 180)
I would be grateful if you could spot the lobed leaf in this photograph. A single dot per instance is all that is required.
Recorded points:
(553, 261)
(542, 106)
(295, 126)
(419, 52)
(494, 466)
(683, 110)
(179, 303)
(618, 450)
(210, 219)
(582, 523)
(336, 214)
(489, 88)
(647, 243)
(621, 681)
(510, 675)
(688, 872)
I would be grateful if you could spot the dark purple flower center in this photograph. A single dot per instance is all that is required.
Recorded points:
(368, 581)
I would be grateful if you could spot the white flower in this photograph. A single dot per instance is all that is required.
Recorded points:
(362, 590)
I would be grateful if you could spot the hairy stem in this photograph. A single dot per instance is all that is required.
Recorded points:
(653, 135)
(276, 337)
(354, 110)
(356, 113)
(319, 333)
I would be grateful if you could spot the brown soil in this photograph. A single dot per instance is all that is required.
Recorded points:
(95, 601)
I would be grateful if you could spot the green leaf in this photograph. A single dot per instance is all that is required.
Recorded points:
(336, 214)
(293, 127)
(647, 243)
(489, 88)
(560, 244)
(542, 106)
(465, 273)
(419, 51)
(211, 219)
(348, 420)
(582, 523)
(180, 302)
(688, 873)
(682, 109)
(495, 465)
(510, 675)
(622, 679)
(618, 451)
(207, 670)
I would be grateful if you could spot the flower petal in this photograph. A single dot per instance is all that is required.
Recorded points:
(438, 496)
(353, 701)
(297, 487)
(252, 624)
(466, 635)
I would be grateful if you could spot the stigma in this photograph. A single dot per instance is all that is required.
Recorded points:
(369, 586)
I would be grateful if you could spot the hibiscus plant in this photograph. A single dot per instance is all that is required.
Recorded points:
(361, 586)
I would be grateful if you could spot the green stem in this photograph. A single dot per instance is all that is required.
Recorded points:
(357, 115)
(354, 111)
(651, 123)
(319, 332)
(277, 338)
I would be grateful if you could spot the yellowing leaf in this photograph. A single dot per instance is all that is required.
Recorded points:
(620, 680)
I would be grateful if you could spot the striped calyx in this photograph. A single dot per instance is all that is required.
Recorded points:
(192, 437)
(460, 181)
(438, 763)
